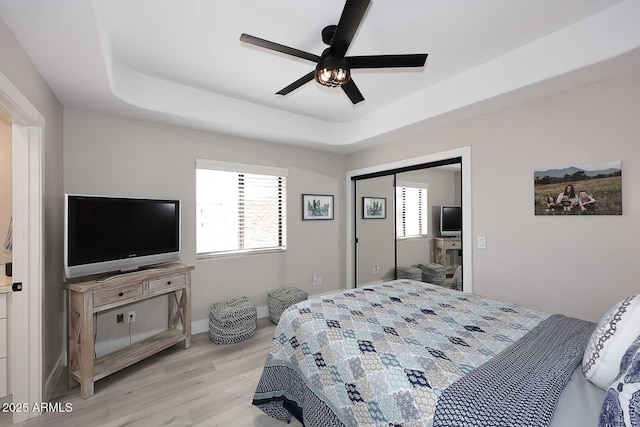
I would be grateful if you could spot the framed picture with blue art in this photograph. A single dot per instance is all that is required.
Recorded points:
(317, 206)
(374, 208)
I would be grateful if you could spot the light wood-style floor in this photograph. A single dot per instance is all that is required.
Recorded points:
(205, 385)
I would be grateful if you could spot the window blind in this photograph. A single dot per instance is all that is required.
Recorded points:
(239, 212)
(411, 211)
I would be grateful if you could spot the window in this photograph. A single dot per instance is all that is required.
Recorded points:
(239, 208)
(411, 210)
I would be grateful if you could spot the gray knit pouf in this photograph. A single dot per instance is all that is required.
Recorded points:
(456, 282)
(232, 321)
(409, 272)
(283, 298)
(433, 273)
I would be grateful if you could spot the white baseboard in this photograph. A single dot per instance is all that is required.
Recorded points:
(199, 326)
(263, 311)
(54, 377)
(322, 294)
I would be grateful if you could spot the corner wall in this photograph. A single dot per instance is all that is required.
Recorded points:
(577, 266)
(105, 155)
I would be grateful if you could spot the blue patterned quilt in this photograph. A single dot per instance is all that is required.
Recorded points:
(382, 354)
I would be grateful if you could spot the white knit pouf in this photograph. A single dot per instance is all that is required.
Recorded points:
(456, 282)
(409, 272)
(433, 273)
(283, 298)
(232, 321)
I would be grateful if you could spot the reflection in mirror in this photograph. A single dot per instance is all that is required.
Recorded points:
(375, 248)
(421, 252)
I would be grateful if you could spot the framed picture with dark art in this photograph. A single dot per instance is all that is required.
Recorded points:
(374, 208)
(317, 207)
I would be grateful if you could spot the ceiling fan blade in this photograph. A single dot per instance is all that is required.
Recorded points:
(279, 47)
(295, 85)
(352, 92)
(349, 21)
(387, 61)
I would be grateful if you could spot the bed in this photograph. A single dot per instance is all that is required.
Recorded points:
(408, 353)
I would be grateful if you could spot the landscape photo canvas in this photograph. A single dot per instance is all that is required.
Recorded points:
(579, 189)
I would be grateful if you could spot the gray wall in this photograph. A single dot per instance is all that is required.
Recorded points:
(19, 69)
(105, 155)
(578, 266)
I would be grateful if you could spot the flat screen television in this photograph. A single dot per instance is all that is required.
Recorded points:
(450, 221)
(105, 234)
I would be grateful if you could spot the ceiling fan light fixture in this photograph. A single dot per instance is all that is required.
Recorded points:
(332, 72)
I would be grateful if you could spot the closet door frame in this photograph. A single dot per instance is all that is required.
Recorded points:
(430, 160)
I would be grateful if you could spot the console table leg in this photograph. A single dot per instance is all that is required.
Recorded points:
(186, 315)
(86, 347)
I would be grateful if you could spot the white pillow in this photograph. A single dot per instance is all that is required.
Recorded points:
(621, 407)
(615, 332)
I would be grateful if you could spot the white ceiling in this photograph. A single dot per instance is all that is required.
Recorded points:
(181, 62)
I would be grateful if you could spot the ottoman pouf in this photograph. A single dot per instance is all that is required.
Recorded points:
(409, 272)
(456, 282)
(433, 273)
(232, 321)
(283, 298)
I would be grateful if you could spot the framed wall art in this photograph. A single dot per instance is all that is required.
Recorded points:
(579, 189)
(374, 208)
(317, 206)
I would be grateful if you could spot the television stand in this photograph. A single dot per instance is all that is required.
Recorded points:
(442, 245)
(87, 297)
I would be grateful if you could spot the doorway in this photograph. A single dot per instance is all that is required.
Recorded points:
(355, 245)
(25, 306)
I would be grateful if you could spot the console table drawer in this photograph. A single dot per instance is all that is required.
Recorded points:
(167, 282)
(117, 294)
(454, 245)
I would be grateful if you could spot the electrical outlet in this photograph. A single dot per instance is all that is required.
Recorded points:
(120, 318)
(319, 281)
(376, 269)
(132, 316)
(316, 280)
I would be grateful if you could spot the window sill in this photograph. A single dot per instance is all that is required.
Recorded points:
(423, 237)
(237, 254)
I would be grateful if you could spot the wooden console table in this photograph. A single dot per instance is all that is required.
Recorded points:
(88, 297)
(442, 245)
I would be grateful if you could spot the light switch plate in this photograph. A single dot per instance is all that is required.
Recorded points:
(482, 242)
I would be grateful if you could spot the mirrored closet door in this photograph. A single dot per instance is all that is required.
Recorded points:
(398, 225)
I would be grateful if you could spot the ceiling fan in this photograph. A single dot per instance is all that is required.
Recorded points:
(333, 67)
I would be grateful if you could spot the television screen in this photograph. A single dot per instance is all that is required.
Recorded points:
(110, 233)
(450, 220)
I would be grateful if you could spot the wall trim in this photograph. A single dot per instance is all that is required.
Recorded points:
(54, 376)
